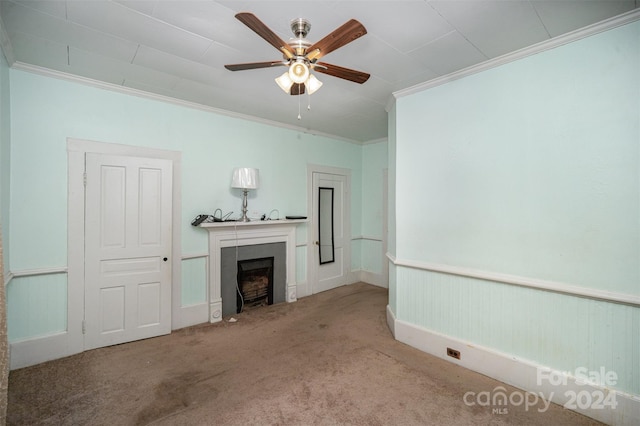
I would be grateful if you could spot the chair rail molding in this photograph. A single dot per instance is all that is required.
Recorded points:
(553, 286)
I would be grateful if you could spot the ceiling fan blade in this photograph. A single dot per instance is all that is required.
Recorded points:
(348, 32)
(253, 65)
(297, 89)
(251, 21)
(341, 72)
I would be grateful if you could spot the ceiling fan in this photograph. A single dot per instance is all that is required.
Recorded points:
(301, 56)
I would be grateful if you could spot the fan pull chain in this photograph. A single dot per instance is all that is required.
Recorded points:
(299, 116)
(309, 104)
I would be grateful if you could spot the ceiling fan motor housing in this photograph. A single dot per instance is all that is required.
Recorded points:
(299, 45)
(300, 27)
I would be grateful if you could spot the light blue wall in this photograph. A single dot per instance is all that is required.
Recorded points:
(194, 281)
(5, 155)
(392, 204)
(391, 208)
(529, 169)
(537, 154)
(374, 161)
(46, 111)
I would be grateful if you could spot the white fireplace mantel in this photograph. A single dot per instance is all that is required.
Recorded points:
(232, 234)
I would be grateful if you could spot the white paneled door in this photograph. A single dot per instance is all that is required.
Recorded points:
(127, 249)
(332, 271)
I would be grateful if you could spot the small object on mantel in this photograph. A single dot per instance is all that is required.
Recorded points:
(295, 217)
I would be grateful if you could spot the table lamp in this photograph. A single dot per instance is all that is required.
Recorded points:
(245, 178)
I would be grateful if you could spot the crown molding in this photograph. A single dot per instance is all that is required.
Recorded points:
(607, 24)
(392, 99)
(60, 75)
(5, 44)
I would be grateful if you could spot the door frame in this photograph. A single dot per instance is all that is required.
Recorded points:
(312, 268)
(76, 150)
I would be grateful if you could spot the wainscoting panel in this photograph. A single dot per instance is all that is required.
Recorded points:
(372, 256)
(194, 281)
(393, 298)
(36, 306)
(551, 329)
(301, 265)
(356, 255)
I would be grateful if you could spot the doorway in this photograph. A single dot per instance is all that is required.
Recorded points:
(127, 249)
(329, 259)
(123, 281)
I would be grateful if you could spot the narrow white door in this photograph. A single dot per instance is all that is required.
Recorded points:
(333, 270)
(127, 249)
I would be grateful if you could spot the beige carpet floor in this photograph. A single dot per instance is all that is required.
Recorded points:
(328, 359)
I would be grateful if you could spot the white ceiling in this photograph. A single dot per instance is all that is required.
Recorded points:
(179, 48)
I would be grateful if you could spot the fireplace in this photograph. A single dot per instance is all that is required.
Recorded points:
(264, 267)
(255, 283)
(232, 236)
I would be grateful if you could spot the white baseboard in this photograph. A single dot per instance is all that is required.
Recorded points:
(38, 350)
(391, 321)
(303, 290)
(567, 390)
(374, 279)
(192, 315)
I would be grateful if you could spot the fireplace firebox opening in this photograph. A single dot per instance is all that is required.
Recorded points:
(255, 283)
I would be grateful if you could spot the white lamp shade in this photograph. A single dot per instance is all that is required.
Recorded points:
(313, 84)
(285, 82)
(245, 178)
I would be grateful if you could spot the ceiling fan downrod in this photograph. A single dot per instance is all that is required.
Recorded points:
(300, 27)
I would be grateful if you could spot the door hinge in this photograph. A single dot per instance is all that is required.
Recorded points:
(84, 179)
(84, 327)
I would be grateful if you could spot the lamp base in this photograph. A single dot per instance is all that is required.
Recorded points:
(244, 217)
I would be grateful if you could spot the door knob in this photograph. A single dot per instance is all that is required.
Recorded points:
(165, 259)
(317, 243)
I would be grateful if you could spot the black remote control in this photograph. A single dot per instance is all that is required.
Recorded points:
(201, 218)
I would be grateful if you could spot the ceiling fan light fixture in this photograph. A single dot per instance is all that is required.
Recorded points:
(298, 72)
(285, 82)
(313, 84)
